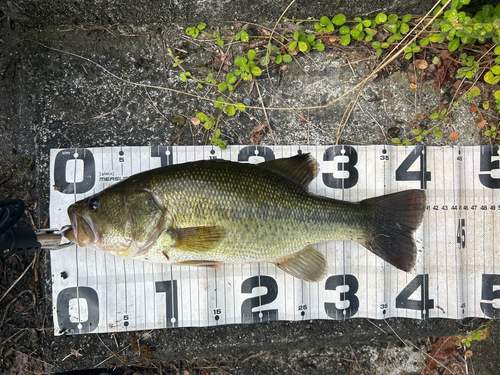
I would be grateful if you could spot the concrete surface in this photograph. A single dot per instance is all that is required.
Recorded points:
(171, 12)
(51, 99)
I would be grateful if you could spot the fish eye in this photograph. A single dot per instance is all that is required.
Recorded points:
(94, 204)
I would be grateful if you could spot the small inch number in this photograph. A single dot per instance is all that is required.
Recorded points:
(217, 311)
(461, 233)
(384, 306)
(302, 307)
(384, 157)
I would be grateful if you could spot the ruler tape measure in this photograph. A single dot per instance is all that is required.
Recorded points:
(457, 273)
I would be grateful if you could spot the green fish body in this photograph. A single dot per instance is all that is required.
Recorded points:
(206, 213)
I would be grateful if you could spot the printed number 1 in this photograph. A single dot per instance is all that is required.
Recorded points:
(169, 287)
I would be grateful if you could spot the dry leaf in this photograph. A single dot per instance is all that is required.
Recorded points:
(453, 136)
(20, 365)
(420, 64)
(481, 122)
(329, 39)
(445, 71)
(196, 121)
(413, 86)
(258, 132)
(420, 117)
(473, 108)
(457, 84)
(440, 351)
(264, 32)
(302, 118)
(291, 27)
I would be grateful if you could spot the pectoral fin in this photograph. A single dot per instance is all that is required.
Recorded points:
(201, 263)
(197, 239)
(308, 264)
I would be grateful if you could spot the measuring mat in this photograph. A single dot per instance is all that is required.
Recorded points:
(457, 273)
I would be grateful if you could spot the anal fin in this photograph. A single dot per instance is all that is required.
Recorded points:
(308, 264)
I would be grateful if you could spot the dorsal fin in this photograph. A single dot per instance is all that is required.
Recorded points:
(301, 168)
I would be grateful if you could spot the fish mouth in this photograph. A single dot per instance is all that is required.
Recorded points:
(82, 229)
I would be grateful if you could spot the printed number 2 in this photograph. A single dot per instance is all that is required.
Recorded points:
(247, 286)
(349, 302)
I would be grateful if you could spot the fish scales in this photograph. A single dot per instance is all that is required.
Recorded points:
(264, 213)
(206, 213)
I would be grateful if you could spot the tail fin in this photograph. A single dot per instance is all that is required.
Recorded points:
(395, 219)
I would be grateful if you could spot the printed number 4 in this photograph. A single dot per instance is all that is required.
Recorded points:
(403, 300)
(403, 174)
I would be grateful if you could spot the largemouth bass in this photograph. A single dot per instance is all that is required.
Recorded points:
(210, 212)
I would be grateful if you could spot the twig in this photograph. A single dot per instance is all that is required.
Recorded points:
(350, 66)
(102, 342)
(114, 110)
(373, 118)
(406, 342)
(9, 175)
(18, 279)
(179, 133)
(376, 326)
(14, 300)
(265, 113)
(23, 331)
(253, 356)
(153, 104)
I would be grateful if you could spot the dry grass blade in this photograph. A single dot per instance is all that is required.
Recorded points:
(18, 279)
